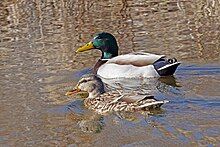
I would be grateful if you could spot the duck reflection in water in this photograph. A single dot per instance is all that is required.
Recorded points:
(90, 122)
(115, 102)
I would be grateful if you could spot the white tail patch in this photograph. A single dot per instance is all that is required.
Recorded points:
(168, 65)
(153, 103)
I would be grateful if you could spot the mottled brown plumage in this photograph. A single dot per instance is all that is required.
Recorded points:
(103, 102)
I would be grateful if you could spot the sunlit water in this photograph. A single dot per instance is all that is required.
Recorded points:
(38, 65)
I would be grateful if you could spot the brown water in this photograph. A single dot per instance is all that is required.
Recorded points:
(38, 65)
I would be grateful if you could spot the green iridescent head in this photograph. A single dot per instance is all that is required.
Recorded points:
(105, 42)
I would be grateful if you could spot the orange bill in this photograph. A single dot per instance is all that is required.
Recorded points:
(74, 91)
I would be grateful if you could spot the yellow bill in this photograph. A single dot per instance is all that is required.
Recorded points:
(86, 47)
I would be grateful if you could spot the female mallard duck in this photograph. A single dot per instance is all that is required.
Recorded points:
(103, 102)
(131, 65)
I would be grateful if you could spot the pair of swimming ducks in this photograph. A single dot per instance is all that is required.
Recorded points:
(110, 65)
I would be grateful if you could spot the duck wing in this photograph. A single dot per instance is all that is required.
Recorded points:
(135, 98)
(120, 96)
(136, 59)
(118, 101)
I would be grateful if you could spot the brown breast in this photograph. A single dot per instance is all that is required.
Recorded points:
(98, 64)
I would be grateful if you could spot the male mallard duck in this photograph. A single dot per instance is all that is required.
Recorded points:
(103, 102)
(135, 64)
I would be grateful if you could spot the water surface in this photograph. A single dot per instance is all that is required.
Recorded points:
(38, 65)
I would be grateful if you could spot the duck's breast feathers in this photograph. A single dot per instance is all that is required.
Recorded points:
(136, 59)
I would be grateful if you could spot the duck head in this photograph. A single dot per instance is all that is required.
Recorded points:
(105, 42)
(89, 83)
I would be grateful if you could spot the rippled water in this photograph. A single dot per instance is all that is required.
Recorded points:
(38, 65)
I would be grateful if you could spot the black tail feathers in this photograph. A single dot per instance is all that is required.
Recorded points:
(166, 67)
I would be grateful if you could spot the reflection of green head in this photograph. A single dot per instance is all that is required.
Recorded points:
(107, 43)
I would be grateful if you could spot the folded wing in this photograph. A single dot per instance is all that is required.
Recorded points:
(136, 59)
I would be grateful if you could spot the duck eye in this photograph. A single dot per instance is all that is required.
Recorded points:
(84, 81)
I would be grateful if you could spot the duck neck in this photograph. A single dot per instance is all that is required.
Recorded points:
(109, 52)
(106, 55)
(96, 92)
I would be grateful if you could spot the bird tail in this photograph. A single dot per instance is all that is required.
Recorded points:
(166, 67)
(153, 105)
